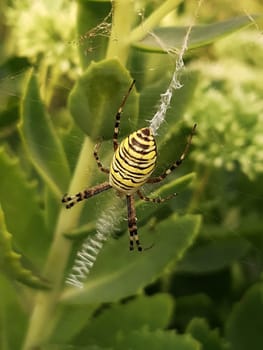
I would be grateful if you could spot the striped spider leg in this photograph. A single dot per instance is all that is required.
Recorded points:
(133, 162)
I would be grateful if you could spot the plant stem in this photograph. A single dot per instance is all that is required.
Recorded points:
(123, 15)
(144, 28)
(40, 325)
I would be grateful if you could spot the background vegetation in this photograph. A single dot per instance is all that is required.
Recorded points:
(64, 67)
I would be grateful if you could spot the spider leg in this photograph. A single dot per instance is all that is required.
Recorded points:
(178, 162)
(118, 117)
(85, 194)
(155, 200)
(96, 156)
(132, 223)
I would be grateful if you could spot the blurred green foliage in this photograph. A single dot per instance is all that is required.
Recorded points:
(63, 71)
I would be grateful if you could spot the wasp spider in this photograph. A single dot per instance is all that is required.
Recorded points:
(132, 164)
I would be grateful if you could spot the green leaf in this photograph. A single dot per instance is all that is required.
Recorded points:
(119, 273)
(155, 312)
(210, 339)
(41, 141)
(219, 253)
(10, 261)
(147, 210)
(244, 326)
(145, 339)
(13, 319)
(72, 142)
(71, 319)
(173, 37)
(24, 217)
(96, 97)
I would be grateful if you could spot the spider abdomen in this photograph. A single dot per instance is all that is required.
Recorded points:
(133, 161)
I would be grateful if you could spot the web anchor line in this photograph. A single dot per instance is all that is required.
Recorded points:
(175, 84)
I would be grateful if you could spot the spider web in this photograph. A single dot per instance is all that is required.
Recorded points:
(87, 255)
(105, 231)
(103, 29)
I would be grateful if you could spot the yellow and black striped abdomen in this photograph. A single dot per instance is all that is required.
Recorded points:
(134, 161)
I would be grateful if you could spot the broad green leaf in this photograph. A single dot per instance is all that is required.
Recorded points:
(119, 273)
(156, 340)
(146, 210)
(13, 319)
(24, 216)
(154, 312)
(210, 339)
(220, 253)
(12, 71)
(173, 37)
(41, 141)
(72, 142)
(71, 319)
(172, 146)
(244, 325)
(96, 98)
(10, 261)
